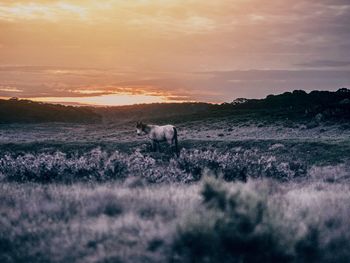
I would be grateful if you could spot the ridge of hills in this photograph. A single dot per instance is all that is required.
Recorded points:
(295, 106)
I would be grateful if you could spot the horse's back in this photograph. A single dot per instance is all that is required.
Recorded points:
(168, 127)
(164, 132)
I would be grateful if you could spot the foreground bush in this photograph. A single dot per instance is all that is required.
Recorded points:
(238, 165)
(259, 221)
(99, 165)
(96, 165)
(242, 225)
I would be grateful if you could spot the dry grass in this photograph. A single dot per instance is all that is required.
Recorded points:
(137, 206)
(114, 222)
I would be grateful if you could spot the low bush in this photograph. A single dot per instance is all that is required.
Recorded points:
(239, 165)
(99, 165)
(240, 225)
(96, 165)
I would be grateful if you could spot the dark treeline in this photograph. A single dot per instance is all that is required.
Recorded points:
(322, 105)
(295, 106)
(26, 111)
(155, 111)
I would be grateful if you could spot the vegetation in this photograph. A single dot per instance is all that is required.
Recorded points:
(206, 222)
(26, 111)
(320, 105)
(100, 166)
(256, 180)
(245, 223)
(296, 106)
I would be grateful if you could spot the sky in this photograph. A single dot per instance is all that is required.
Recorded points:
(117, 52)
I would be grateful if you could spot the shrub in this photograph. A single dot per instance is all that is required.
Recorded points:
(240, 225)
(95, 165)
(98, 165)
(238, 165)
(235, 226)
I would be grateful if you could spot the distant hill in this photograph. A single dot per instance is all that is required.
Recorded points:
(324, 105)
(26, 111)
(154, 111)
(294, 106)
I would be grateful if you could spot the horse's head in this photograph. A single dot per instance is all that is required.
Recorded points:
(140, 128)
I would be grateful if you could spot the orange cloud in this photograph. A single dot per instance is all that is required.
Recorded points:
(72, 48)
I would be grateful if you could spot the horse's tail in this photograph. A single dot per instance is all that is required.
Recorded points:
(176, 142)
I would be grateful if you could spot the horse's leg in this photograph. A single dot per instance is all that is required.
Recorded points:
(154, 146)
(170, 142)
(174, 142)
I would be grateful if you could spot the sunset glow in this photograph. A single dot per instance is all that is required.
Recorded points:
(107, 100)
(117, 52)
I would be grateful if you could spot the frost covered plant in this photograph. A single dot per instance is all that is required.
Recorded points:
(99, 165)
(236, 223)
(115, 167)
(95, 165)
(238, 165)
(138, 164)
(30, 167)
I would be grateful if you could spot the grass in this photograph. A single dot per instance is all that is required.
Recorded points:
(315, 151)
(89, 223)
(202, 222)
(263, 222)
(101, 166)
(68, 196)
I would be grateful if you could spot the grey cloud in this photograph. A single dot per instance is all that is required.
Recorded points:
(259, 83)
(325, 63)
(292, 35)
(214, 86)
(249, 75)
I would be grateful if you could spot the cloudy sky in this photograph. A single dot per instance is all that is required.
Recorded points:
(132, 51)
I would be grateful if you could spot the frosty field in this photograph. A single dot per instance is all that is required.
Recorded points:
(238, 192)
(174, 131)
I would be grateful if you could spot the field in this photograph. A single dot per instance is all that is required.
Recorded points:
(240, 191)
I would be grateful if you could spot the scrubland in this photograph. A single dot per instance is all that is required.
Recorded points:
(237, 193)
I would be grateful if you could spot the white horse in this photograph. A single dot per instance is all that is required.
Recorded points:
(158, 134)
